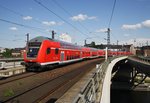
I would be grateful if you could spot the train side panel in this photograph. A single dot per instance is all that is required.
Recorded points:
(49, 53)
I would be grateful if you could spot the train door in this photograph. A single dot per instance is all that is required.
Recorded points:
(62, 56)
(81, 54)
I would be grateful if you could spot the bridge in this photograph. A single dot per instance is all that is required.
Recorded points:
(127, 73)
(95, 87)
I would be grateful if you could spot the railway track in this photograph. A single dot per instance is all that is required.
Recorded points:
(52, 85)
(60, 89)
(16, 77)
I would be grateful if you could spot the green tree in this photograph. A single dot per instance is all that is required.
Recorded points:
(93, 44)
(7, 54)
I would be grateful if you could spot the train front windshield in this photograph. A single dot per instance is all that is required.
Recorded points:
(32, 52)
(33, 49)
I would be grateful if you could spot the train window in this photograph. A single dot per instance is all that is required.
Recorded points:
(48, 50)
(56, 51)
(67, 58)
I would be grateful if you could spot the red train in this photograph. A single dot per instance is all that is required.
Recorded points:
(44, 52)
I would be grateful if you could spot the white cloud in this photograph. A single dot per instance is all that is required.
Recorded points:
(27, 18)
(49, 23)
(82, 17)
(92, 17)
(146, 23)
(13, 28)
(52, 23)
(65, 37)
(79, 17)
(131, 27)
(101, 30)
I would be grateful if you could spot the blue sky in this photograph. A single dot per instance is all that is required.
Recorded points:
(89, 20)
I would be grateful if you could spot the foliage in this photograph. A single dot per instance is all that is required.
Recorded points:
(9, 92)
(93, 44)
(7, 54)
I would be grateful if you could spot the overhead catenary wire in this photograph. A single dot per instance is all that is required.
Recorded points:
(67, 12)
(59, 5)
(111, 17)
(109, 24)
(112, 13)
(41, 4)
(22, 25)
(22, 15)
(17, 13)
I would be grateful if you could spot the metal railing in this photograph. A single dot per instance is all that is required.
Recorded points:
(91, 90)
(89, 93)
(144, 59)
(140, 59)
(10, 63)
(11, 59)
(10, 72)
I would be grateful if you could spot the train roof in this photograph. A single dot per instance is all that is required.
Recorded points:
(40, 39)
(62, 43)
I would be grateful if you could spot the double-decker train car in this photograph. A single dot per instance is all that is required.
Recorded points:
(101, 53)
(86, 52)
(44, 52)
(120, 53)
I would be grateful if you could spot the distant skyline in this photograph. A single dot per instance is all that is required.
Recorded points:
(78, 19)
